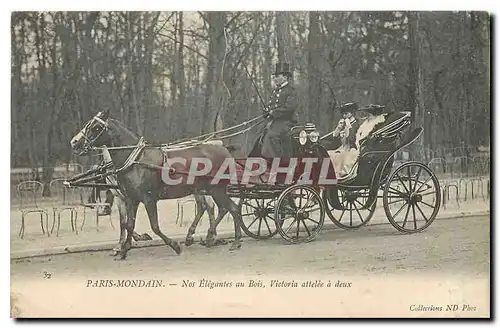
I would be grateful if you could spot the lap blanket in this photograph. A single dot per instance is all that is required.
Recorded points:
(343, 159)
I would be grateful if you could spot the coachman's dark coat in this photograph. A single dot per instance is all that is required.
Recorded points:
(276, 140)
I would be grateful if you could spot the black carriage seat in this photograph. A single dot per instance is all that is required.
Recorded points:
(409, 138)
(375, 159)
(379, 144)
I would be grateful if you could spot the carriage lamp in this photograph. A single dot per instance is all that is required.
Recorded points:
(310, 133)
(303, 137)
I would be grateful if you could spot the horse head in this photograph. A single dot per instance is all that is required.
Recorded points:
(93, 134)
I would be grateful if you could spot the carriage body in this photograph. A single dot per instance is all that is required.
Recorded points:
(373, 177)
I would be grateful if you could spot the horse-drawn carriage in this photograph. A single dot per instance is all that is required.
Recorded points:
(354, 197)
(292, 204)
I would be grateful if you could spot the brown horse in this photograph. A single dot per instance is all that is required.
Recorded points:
(203, 204)
(139, 174)
(115, 197)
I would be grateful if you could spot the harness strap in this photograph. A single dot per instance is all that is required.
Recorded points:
(131, 159)
(98, 119)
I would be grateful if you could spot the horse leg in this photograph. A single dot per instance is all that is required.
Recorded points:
(152, 210)
(109, 200)
(223, 201)
(122, 213)
(212, 231)
(131, 213)
(200, 210)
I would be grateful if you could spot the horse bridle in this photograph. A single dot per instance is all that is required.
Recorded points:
(89, 142)
(131, 159)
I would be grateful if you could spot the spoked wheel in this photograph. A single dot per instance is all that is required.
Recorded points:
(257, 217)
(352, 213)
(299, 214)
(412, 197)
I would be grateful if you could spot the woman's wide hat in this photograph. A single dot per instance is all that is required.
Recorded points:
(348, 107)
(373, 109)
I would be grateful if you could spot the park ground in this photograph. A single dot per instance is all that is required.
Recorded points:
(390, 275)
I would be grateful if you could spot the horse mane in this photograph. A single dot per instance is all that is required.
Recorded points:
(122, 127)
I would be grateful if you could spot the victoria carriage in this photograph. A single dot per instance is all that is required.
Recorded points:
(410, 192)
(292, 205)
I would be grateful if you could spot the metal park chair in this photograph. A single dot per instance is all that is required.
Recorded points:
(30, 193)
(180, 210)
(65, 199)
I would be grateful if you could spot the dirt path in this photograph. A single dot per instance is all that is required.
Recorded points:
(448, 263)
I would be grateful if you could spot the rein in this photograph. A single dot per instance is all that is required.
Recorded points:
(84, 179)
(193, 142)
(210, 135)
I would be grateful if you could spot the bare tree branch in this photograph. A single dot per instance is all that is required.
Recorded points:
(185, 46)
(164, 23)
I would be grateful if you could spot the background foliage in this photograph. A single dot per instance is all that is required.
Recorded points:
(175, 74)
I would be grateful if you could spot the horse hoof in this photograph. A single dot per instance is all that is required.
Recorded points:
(176, 247)
(145, 237)
(189, 241)
(114, 252)
(123, 254)
(235, 247)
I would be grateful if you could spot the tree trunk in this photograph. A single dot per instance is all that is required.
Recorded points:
(173, 74)
(268, 58)
(16, 92)
(416, 82)
(284, 38)
(132, 68)
(214, 95)
(314, 72)
(180, 67)
(148, 78)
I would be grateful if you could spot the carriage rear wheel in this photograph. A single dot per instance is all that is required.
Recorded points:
(353, 212)
(412, 197)
(257, 217)
(299, 214)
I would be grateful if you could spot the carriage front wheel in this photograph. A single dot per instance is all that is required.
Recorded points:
(412, 197)
(257, 217)
(299, 214)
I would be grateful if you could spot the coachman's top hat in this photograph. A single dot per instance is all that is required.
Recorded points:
(283, 68)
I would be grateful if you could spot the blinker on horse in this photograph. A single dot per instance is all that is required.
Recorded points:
(138, 171)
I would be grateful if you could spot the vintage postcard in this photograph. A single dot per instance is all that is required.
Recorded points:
(244, 164)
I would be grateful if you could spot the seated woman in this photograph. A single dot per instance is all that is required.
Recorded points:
(372, 117)
(346, 156)
(344, 139)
